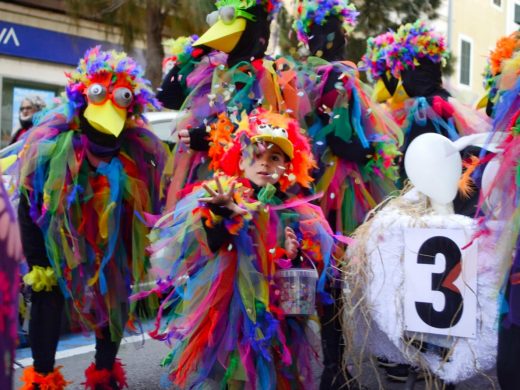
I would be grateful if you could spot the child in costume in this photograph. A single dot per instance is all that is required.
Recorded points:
(217, 254)
(90, 171)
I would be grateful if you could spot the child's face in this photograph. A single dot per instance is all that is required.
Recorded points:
(266, 165)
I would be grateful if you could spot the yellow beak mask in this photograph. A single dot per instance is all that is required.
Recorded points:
(227, 25)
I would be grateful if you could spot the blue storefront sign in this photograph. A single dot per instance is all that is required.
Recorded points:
(45, 45)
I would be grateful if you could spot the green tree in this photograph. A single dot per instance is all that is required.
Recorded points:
(146, 20)
(378, 16)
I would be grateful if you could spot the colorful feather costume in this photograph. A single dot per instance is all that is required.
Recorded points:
(243, 80)
(502, 198)
(10, 255)
(318, 11)
(92, 219)
(355, 141)
(220, 311)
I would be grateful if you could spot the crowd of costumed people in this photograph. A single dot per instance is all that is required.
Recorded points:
(305, 227)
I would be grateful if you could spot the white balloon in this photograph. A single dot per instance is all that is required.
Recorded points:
(434, 166)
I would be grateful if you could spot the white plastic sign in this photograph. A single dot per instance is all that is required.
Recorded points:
(440, 282)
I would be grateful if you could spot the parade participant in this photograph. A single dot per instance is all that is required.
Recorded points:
(10, 255)
(244, 80)
(355, 143)
(355, 140)
(504, 50)
(29, 106)
(89, 174)
(417, 57)
(500, 201)
(387, 89)
(218, 253)
(178, 52)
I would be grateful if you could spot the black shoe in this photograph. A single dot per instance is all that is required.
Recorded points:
(401, 371)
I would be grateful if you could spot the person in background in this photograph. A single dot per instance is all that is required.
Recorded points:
(29, 106)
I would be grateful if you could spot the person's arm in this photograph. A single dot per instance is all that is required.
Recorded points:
(217, 235)
(220, 203)
(173, 90)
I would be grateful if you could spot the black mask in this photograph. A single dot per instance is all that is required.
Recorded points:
(100, 144)
(390, 83)
(328, 40)
(254, 40)
(425, 80)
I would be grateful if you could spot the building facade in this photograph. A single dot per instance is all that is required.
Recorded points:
(38, 44)
(472, 28)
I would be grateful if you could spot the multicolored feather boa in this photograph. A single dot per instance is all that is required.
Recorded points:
(92, 219)
(220, 312)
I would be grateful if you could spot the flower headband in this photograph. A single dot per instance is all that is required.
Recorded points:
(415, 41)
(318, 11)
(375, 61)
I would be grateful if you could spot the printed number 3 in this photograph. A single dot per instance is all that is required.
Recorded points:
(442, 282)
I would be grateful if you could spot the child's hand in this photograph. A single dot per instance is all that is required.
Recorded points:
(222, 198)
(291, 243)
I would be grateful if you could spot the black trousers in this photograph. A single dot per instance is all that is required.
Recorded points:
(333, 344)
(44, 333)
(508, 357)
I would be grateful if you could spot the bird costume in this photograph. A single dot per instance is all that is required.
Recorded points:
(221, 313)
(500, 200)
(243, 79)
(417, 57)
(354, 140)
(90, 173)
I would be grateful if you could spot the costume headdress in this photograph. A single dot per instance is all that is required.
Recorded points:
(262, 126)
(110, 68)
(177, 51)
(229, 21)
(504, 50)
(375, 59)
(318, 11)
(413, 42)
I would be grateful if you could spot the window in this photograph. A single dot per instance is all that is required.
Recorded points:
(517, 13)
(465, 62)
(498, 3)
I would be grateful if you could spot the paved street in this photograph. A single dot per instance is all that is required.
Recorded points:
(142, 359)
